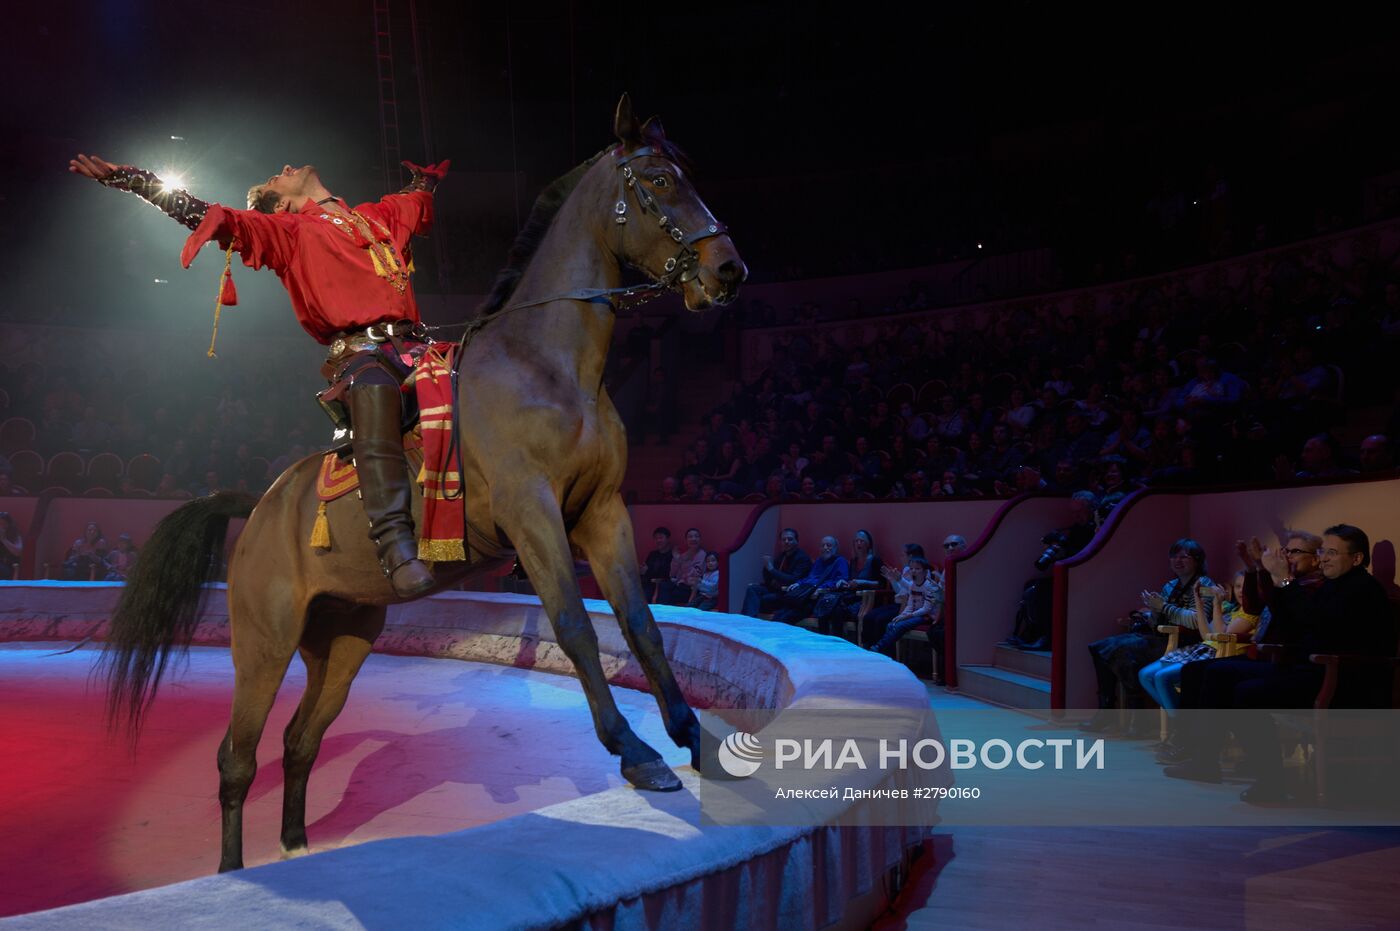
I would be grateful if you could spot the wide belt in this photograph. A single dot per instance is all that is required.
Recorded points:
(372, 335)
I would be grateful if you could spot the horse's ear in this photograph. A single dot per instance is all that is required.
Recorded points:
(625, 125)
(653, 130)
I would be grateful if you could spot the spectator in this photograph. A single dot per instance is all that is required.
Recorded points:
(727, 469)
(828, 569)
(1081, 443)
(792, 564)
(86, 556)
(1131, 440)
(1211, 387)
(843, 604)
(656, 569)
(1161, 678)
(685, 564)
(921, 602)
(704, 594)
(670, 489)
(8, 487)
(873, 626)
(121, 560)
(950, 424)
(1019, 414)
(1376, 455)
(1320, 458)
(915, 427)
(1118, 659)
(954, 544)
(210, 486)
(11, 547)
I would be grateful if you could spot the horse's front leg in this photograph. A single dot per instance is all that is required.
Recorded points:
(534, 525)
(605, 535)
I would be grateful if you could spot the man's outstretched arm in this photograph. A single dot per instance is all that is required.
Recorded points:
(175, 203)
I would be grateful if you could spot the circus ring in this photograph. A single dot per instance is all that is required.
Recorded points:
(462, 786)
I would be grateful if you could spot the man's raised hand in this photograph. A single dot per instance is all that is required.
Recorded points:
(91, 166)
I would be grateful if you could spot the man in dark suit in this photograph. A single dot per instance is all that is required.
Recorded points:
(792, 564)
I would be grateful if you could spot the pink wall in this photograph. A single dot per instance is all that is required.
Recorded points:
(987, 580)
(1108, 584)
(719, 524)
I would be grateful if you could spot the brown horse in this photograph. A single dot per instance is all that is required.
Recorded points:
(542, 452)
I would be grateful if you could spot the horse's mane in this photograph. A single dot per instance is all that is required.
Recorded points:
(542, 214)
(547, 205)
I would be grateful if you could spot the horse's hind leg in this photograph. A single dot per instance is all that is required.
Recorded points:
(259, 666)
(535, 527)
(337, 639)
(605, 534)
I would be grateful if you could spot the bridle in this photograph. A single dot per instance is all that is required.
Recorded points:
(678, 269)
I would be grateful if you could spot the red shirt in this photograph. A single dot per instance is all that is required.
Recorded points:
(329, 275)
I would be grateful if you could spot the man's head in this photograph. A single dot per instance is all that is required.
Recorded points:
(954, 543)
(788, 538)
(668, 487)
(1081, 506)
(1344, 548)
(1319, 453)
(829, 547)
(1301, 552)
(288, 190)
(661, 536)
(1375, 453)
(1065, 473)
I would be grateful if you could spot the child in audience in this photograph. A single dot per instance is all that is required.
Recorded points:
(1161, 678)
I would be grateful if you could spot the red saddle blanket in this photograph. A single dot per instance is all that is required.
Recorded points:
(430, 450)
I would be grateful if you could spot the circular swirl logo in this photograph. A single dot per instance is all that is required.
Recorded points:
(740, 754)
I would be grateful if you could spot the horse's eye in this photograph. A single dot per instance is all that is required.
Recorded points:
(659, 181)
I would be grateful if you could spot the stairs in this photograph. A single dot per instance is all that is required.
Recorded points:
(1016, 679)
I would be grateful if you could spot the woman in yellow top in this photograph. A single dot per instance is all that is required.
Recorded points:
(1162, 678)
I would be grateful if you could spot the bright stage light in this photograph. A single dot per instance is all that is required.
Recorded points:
(172, 180)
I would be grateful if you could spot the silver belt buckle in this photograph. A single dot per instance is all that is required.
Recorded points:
(337, 348)
(376, 333)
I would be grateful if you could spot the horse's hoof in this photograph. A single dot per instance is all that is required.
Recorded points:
(652, 776)
(291, 853)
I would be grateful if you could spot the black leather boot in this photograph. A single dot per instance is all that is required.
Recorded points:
(378, 447)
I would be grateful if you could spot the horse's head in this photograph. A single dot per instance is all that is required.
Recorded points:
(667, 231)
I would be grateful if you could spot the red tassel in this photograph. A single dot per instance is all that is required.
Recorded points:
(228, 294)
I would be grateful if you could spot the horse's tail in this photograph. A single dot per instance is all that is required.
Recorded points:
(160, 605)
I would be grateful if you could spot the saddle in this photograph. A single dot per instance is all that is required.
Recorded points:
(431, 450)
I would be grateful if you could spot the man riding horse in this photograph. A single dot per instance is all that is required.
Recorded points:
(543, 452)
(346, 270)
